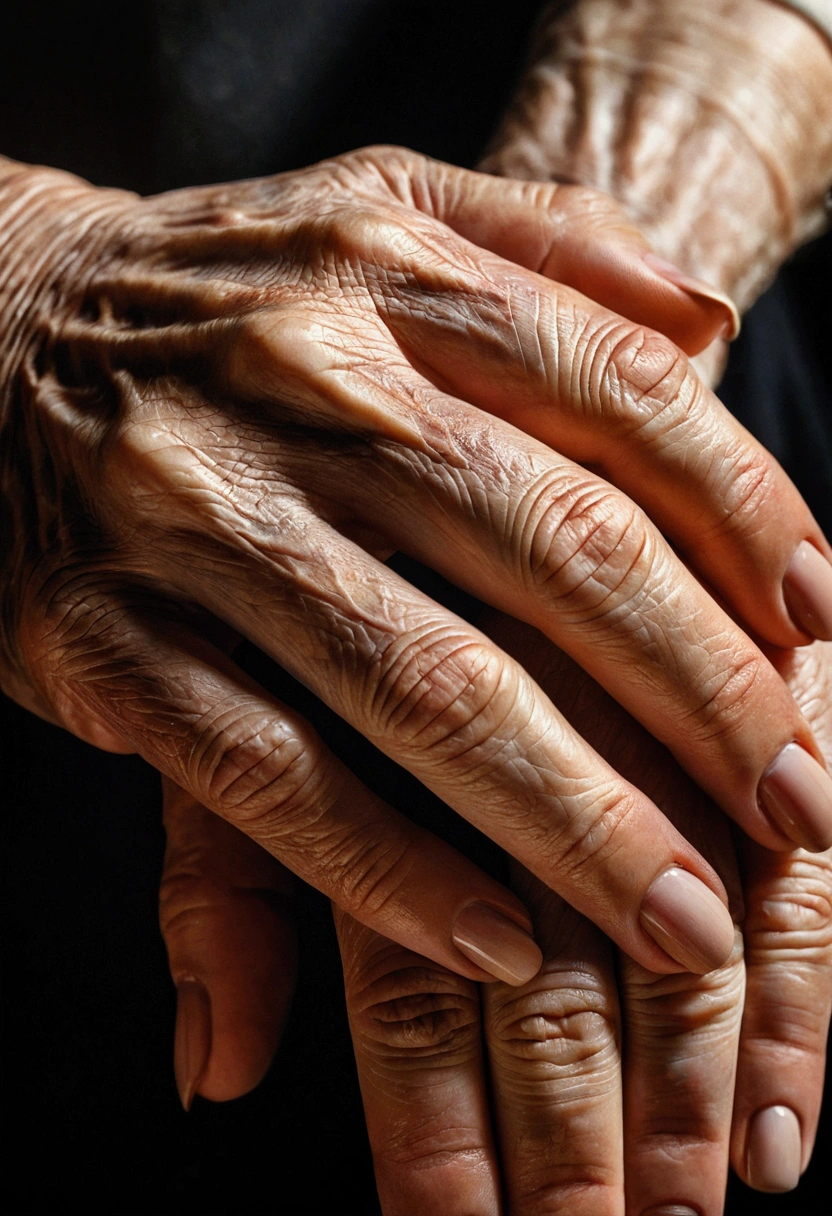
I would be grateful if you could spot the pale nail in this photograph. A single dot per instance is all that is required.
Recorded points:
(807, 589)
(797, 794)
(688, 921)
(496, 944)
(774, 1150)
(671, 1209)
(192, 1039)
(697, 287)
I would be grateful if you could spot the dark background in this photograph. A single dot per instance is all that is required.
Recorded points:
(151, 96)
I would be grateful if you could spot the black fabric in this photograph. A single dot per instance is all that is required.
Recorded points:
(151, 96)
(165, 93)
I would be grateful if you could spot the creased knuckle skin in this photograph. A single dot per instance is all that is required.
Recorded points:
(588, 548)
(793, 918)
(417, 1014)
(441, 692)
(592, 837)
(252, 767)
(565, 1026)
(729, 691)
(643, 381)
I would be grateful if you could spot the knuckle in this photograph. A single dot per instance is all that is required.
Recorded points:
(793, 919)
(746, 487)
(441, 691)
(604, 818)
(589, 547)
(366, 872)
(564, 1025)
(642, 381)
(729, 689)
(420, 1013)
(431, 1142)
(253, 768)
(667, 1008)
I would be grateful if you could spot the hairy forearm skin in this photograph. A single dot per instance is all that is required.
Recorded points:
(709, 121)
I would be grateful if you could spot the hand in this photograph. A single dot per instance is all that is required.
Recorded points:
(559, 1083)
(707, 121)
(724, 157)
(222, 404)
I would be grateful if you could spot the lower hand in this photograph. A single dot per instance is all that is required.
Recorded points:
(576, 1121)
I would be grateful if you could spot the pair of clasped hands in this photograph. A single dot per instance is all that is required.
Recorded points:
(223, 409)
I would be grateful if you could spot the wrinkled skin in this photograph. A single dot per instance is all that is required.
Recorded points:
(677, 1101)
(222, 405)
(609, 1084)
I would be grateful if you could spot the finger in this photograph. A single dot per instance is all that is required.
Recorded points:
(574, 235)
(554, 1064)
(681, 1032)
(438, 697)
(191, 713)
(417, 1039)
(788, 931)
(681, 1040)
(788, 942)
(618, 396)
(225, 913)
(547, 541)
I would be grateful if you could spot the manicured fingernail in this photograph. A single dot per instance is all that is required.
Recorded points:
(774, 1150)
(671, 1209)
(688, 921)
(192, 1040)
(696, 287)
(496, 944)
(797, 793)
(807, 589)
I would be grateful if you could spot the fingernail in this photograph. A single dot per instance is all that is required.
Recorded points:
(671, 1209)
(807, 589)
(797, 794)
(496, 944)
(700, 289)
(192, 1039)
(774, 1150)
(688, 921)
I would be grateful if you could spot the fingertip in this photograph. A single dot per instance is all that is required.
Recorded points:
(192, 1037)
(774, 1150)
(498, 945)
(719, 308)
(688, 921)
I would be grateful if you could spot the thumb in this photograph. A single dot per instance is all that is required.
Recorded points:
(226, 919)
(575, 235)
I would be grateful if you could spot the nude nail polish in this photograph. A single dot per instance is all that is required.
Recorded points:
(497, 944)
(807, 590)
(192, 1038)
(796, 792)
(696, 287)
(688, 921)
(671, 1209)
(774, 1150)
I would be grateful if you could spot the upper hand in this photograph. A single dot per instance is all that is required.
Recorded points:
(224, 404)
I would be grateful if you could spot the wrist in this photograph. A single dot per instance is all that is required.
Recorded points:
(708, 121)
